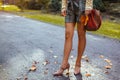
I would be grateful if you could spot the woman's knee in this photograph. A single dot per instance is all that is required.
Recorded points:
(68, 35)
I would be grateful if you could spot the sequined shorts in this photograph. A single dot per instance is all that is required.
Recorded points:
(73, 12)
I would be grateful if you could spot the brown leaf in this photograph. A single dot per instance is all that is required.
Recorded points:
(33, 68)
(108, 67)
(87, 74)
(101, 56)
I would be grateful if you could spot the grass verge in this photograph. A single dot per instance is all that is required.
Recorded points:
(53, 19)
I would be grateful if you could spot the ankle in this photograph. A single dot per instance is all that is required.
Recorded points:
(77, 65)
(64, 64)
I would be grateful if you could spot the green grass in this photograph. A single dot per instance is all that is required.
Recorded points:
(9, 8)
(109, 29)
(54, 19)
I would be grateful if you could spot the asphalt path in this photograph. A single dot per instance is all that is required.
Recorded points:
(24, 42)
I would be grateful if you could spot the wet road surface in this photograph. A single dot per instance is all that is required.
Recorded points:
(23, 41)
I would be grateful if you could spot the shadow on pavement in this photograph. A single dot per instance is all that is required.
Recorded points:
(62, 78)
(78, 77)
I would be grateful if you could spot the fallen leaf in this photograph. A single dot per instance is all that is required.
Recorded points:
(106, 72)
(101, 56)
(110, 64)
(108, 67)
(85, 58)
(107, 60)
(33, 68)
(35, 62)
(46, 62)
(87, 74)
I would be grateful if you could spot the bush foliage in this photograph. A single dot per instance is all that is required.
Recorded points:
(55, 5)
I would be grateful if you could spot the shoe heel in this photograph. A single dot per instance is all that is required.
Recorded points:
(67, 69)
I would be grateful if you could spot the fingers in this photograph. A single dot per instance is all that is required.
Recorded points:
(87, 12)
(63, 13)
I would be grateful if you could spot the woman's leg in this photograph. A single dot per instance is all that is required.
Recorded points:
(81, 45)
(69, 32)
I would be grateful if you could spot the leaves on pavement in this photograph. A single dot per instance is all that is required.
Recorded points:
(85, 58)
(108, 67)
(46, 62)
(101, 56)
(107, 60)
(33, 68)
(87, 74)
(106, 72)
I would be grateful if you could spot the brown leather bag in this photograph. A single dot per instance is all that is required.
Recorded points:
(94, 20)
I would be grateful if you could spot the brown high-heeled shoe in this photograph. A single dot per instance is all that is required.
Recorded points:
(61, 70)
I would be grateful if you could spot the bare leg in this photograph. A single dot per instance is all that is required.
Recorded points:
(69, 32)
(81, 45)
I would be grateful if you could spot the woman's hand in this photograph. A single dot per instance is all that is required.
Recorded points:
(63, 12)
(87, 12)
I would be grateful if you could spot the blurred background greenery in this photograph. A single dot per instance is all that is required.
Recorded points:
(49, 11)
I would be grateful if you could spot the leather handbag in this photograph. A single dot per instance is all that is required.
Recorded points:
(93, 20)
